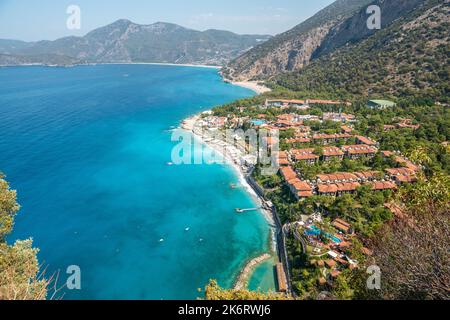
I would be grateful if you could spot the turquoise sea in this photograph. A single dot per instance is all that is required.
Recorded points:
(87, 149)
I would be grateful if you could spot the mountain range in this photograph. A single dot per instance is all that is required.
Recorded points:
(124, 41)
(334, 53)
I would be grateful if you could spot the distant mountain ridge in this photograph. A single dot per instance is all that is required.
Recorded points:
(125, 41)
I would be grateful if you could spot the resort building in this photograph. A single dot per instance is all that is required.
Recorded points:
(380, 104)
(346, 129)
(282, 103)
(383, 185)
(402, 161)
(365, 140)
(305, 155)
(337, 189)
(402, 124)
(298, 140)
(332, 153)
(300, 189)
(283, 159)
(325, 139)
(366, 176)
(402, 175)
(342, 226)
(338, 117)
(359, 151)
(288, 174)
(362, 177)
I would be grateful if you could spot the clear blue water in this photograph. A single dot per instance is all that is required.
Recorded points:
(87, 149)
(263, 277)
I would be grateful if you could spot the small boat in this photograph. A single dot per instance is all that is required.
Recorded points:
(200, 240)
(169, 163)
(238, 210)
(187, 229)
(233, 186)
(161, 240)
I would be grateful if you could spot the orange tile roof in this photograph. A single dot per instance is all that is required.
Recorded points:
(383, 185)
(342, 225)
(348, 186)
(300, 185)
(282, 155)
(347, 129)
(332, 151)
(365, 140)
(327, 188)
(306, 156)
(302, 151)
(367, 174)
(287, 101)
(360, 149)
(298, 140)
(400, 172)
(322, 136)
(305, 194)
(330, 263)
(387, 153)
(288, 173)
(337, 176)
(338, 187)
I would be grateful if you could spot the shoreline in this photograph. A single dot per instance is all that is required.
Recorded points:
(242, 280)
(252, 85)
(113, 63)
(255, 86)
(246, 273)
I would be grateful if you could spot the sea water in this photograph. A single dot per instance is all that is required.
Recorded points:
(87, 148)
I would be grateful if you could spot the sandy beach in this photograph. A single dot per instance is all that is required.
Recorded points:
(252, 85)
(242, 280)
(189, 125)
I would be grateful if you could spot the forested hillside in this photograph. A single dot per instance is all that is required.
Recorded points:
(409, 59)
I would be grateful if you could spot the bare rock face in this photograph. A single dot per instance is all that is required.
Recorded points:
(292, 50)
(291, 55)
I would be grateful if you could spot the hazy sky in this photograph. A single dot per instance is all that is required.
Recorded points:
(32, 20)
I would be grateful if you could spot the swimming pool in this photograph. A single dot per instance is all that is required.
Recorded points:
(258, 122)
(315, 231)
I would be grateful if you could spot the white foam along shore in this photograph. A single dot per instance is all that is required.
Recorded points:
(189, 125)
(245, 274)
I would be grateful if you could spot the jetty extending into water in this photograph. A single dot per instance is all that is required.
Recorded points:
(238, 210)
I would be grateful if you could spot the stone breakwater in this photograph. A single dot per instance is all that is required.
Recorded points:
(242, 279)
